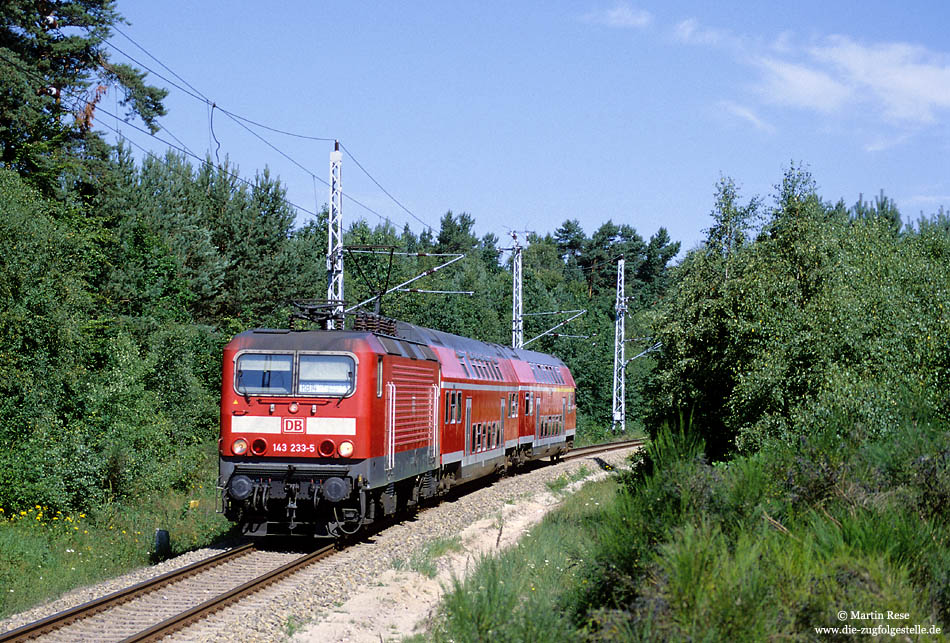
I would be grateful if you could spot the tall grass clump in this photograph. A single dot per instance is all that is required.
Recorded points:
(518, 594)
(774, 543)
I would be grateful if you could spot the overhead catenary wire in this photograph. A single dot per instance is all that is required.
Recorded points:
(212, 107)
(194, 94)
(384, 190)
(241, 120)
(181, 149)
(276, 130)
(147, 53)
(233, 175)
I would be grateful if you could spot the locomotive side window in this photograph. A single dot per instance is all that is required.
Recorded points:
(327, 375)
(379, 376)
(264, 374)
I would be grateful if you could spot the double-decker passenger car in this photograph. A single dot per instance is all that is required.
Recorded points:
(324, 431)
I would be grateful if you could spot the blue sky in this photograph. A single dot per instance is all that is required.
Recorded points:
(525, 114)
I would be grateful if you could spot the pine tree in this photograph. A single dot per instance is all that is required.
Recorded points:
(54, 69)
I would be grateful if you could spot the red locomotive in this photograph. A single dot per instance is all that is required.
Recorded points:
(324, 431)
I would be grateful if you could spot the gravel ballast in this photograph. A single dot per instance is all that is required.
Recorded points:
(298, 605)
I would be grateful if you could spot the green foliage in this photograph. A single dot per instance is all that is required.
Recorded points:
(45, 552)
(823, 316)
(742, 550)
(54, 69)
(108, 381)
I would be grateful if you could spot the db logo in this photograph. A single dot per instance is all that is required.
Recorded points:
(291, 425)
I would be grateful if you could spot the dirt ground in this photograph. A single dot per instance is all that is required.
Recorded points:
(402, 600)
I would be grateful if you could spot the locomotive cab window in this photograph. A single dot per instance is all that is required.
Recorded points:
(264, 374)
(327, 375)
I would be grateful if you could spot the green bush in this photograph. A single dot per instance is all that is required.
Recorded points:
(824, 318)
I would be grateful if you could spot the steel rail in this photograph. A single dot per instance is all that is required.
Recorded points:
(601, 448)
(198, 612)
(66, 617)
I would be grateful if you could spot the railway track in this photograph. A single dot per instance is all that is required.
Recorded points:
(153, 609)
(161, 606)
(594, 449)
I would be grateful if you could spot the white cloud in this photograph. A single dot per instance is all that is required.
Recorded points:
(890, 85)
(883, 143)
(691, 32)
(622, 16)
(783, 43)
(799, 85)
(746, 114)
(928, 200)
(907, 82)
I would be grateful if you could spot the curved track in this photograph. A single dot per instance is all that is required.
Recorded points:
(165, 604)
(583, 452)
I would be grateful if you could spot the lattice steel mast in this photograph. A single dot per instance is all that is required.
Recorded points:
(620, 380)
(335, 245)
(517, 317)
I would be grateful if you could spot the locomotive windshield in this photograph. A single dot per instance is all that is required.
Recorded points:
(317, 375)
(264, 374)
(326, 375)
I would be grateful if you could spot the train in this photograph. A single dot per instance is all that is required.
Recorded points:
(324, 432)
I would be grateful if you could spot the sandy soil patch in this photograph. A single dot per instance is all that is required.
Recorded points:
(401, 601)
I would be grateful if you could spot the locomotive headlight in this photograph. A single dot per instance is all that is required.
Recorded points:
(293, 407)
(346, 448)
(239, 446)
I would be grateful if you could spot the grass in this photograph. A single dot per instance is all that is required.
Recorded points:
(292, 626)
(424, 561)
(516, 596)
(591, 433)
(767, 546)
(560, 483)
(44, 553)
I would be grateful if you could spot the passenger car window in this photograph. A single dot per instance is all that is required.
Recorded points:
(326, 375)
(264, 374)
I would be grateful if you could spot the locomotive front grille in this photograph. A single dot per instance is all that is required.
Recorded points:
(299, 471)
